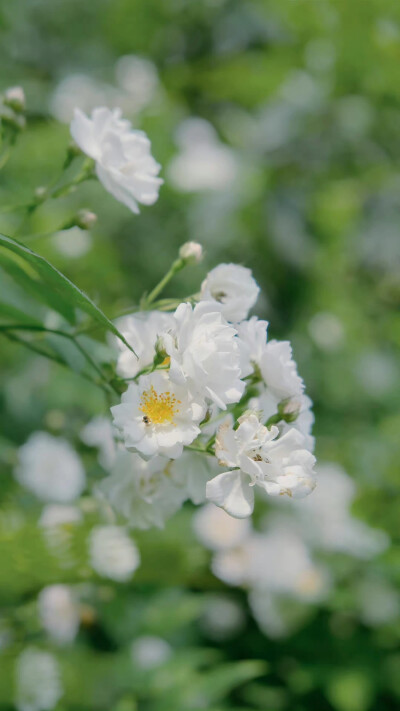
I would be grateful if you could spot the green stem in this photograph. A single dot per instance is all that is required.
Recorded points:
(176, 267)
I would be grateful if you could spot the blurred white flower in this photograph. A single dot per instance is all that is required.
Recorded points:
(216, 530)
(204, 162)
(232, 286)
(99, 433)
(38, 681)
(149, 652)
(138, 77)
(50, 468)
(59, 515)
(257, 457)
(73, 243)
(141, 331)
(157, 416)
(112, 553)
(14, 97)
(327, 331)
(124, 164)
(379, 602)
(59, 613)
(222, 617)
(142, 491)
(326, 519)
(205, 353)
(84, 91)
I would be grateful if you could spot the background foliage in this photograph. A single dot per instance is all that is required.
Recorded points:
(306, 95)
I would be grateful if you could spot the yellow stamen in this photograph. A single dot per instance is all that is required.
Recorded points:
(158, 409)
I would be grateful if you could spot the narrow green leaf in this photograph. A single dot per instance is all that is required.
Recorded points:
(60, 284)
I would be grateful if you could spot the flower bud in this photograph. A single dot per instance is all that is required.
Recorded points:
(191, 252)
(161, 357)
(289, 409)
(85, 219)
(14, 97)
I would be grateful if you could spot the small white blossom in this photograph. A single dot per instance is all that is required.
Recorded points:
(141, 331)
(149, 652)
(205, 354)
(232, 286)
(38, 681)
(15, 98)
(142, 491)
(216, 530)
(112, 553)
(257, 457)
(59, 613)
(124, 164)
(50, 468)
(99, 433)
(54, 515)
(156, 416)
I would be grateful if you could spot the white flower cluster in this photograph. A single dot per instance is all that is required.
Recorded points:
(206, 390)
(277, 564)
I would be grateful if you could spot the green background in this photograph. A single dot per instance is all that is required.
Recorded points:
(307, 95)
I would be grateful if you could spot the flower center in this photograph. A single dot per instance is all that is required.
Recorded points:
(158, 409)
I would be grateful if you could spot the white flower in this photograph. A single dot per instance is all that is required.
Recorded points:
(54, 515)
(142, 491)
(59, 613)
(191, 472)
(232, 286)
(124, 164)
(141, 331)
(99, 433)
(279, 370)
(205, 354)
(191, 252)
(253, 340)
(326, 520)
(50, 468)
(149, 652)
(222, 618)
(258, 457)
(216, 530)
(204, 163)
(38, 681)
(156, 416)
(112, 553)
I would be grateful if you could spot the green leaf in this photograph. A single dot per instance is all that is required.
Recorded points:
(61, 287)
(11, 314)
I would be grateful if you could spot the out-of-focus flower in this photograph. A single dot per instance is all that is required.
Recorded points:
(222, 617)
(205, 354)
(124, 164)
(204, 162)
(59, 613)
(216, 530)
(14, 97)
(157, 416)
(141, 331)
(191, 252)
(279, 370)
(138, 77)
(191, 472)
(149, 652)
(257, 457)
(142, 491)
(326, 520)
(59, 515)
(112, 553)
(72, 243)
(232, 286)
(99, 433)
(50, 468)
(327, 331)
(84, 91)
(38, 681)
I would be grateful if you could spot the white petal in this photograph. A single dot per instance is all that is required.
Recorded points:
(232, 492)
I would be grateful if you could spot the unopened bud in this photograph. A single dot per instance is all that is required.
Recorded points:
(289, 409)
(161, 357)
(85, 219)
(14, 97)
(191, 252)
